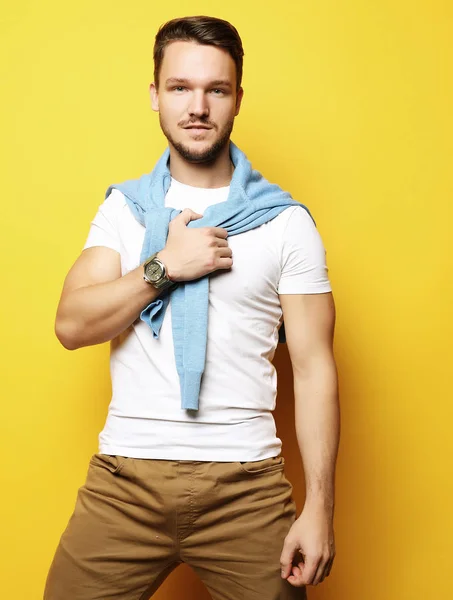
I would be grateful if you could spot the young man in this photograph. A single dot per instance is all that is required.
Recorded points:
(189, 467)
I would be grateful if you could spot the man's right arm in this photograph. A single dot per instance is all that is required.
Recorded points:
(97, 303)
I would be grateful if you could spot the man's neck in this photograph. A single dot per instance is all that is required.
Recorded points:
(209, 175)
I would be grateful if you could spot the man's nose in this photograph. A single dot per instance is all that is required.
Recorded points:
(198, 106)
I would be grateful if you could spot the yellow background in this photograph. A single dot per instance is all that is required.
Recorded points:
(348, 105)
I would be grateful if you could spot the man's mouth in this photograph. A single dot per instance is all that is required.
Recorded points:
(199, 126)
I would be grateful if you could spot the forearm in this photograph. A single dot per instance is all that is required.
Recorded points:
(318, 430)
(98, 313)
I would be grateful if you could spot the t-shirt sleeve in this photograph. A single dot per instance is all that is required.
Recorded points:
(104, 227)
(304, 267)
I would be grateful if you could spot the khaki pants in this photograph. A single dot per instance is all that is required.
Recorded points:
(136, 520)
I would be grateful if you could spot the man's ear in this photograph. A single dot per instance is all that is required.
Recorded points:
(154, 97)
(239, 97)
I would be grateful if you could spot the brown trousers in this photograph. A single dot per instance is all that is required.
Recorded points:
(136, 520)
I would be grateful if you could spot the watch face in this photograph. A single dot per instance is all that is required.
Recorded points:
(154, 271)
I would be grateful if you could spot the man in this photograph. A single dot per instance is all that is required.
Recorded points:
(203, 485)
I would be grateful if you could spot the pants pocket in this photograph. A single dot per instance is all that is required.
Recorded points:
(112, 463)
(267, 465)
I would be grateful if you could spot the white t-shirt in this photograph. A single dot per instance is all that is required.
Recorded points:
(239, 385)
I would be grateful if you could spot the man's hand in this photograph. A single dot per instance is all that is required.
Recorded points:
(191, 253)
(309, 548)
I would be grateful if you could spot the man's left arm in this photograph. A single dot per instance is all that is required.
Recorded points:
(309, 547)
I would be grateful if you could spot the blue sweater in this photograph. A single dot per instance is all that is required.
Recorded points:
(251, 201)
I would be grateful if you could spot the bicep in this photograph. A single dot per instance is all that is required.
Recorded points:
(309, 327)
(97, 264)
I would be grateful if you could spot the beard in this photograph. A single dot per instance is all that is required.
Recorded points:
(207, 155)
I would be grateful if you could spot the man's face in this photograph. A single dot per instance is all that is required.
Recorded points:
(197, 86)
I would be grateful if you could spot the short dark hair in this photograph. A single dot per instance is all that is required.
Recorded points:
(208, 31)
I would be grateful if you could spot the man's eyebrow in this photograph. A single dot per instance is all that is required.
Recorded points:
(222, 82)
(176, 80)
(182, 80)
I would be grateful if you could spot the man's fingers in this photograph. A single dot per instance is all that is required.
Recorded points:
(307, 571)
(295, 577)
(225, 263)
(325, 568)
(186, 216)
(218, 232)
(310, 568)
(329, 567)
(321, 572)
(225, 252)
(286, 557)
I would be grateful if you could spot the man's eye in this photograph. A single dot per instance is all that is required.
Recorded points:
(217, 91)
(179, 88)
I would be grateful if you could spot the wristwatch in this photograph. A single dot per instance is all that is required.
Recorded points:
(155, 274)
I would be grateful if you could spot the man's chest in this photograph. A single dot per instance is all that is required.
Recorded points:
(256, 262)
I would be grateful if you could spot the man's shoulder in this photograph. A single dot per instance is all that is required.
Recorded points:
(298, 216)
(114, 201)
